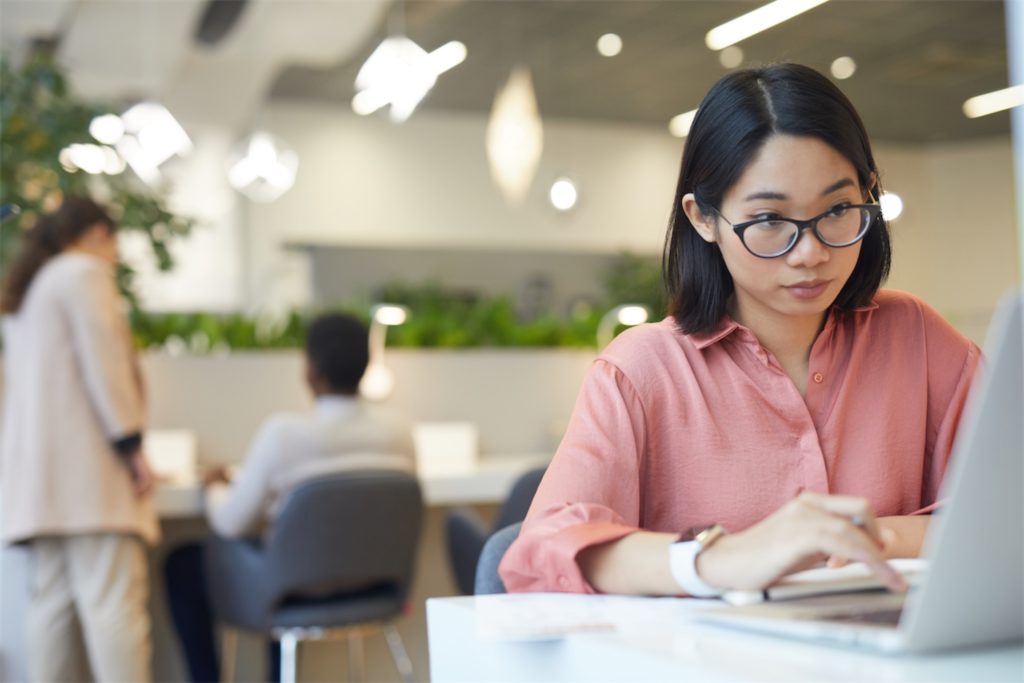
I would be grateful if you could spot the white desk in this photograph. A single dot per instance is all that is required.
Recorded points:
(489, 482)
(658, 639)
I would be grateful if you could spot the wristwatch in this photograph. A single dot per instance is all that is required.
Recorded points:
(682, 557)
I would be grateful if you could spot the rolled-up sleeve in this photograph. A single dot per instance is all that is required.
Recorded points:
(591, 492)
(946, 404)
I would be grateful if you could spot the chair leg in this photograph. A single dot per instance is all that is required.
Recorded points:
(289, 656)
(227, 657)
(398, 653)
(356, 658)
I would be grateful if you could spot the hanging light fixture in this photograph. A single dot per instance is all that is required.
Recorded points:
(150, 136)
(401, 73)
(515, 136)
(263, 167)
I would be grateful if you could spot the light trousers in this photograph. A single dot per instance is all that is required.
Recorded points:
(91, 588)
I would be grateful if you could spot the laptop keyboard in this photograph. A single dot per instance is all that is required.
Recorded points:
(889, 617)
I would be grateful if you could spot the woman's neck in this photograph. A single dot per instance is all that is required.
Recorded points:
(788, 338)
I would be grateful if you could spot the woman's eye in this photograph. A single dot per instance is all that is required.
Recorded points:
(838, 210)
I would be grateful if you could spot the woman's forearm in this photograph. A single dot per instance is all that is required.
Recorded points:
(904, 535)
(636, 564)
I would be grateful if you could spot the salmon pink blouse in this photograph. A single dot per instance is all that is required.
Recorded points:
(675, 432)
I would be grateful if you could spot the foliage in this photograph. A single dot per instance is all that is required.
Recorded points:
(39, 117)
(440, 317)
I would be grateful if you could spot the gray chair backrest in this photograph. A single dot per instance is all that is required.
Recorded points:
(487, 579)
(517, 504)
(346, 532)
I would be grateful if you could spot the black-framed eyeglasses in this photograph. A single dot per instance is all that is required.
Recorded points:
(840, 226)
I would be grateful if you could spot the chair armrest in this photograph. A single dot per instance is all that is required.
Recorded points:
(466, 535)
(237, 573)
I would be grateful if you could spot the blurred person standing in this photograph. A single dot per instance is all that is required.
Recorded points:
(73, 475)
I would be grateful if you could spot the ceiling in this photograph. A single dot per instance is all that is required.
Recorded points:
(918, 60)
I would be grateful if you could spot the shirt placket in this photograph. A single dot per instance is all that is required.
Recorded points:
(808, 447)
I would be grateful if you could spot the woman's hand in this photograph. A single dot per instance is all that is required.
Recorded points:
(801, 534)
(142, 475)
(901, 537)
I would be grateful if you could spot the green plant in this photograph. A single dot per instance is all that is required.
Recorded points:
(636, 279)
(39, 117)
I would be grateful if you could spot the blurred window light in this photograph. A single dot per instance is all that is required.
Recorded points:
(731, 57)
(892, 205)
(679, 126)
(401, 73)
(263, 167)
(108, 128)
(843, 67)
(390, 314)
(609, 45)
(632, 315)
(623, 314)
(753, 22)
(992, 102)
(563, 194)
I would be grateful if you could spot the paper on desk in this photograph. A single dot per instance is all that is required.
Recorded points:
(548, 616)
(853, 577)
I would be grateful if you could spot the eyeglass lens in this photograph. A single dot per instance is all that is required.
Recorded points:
(837, 229)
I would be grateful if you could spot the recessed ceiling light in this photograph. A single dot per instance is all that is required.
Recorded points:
(731, 57)
(990, 103)
(760, 19)
(563, 194)
(609, 45)
(843, 67)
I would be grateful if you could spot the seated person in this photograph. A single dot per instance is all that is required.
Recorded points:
(341, 434)
(786, 399)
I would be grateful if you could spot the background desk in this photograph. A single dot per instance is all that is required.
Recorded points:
(181, 514)
(488, 483)
(658, 640)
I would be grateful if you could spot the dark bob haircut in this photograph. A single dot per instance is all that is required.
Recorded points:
(338, 349)
(737, 116)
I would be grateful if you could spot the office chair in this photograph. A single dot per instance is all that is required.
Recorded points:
(466, 532)
(488, 581)
(337, 564)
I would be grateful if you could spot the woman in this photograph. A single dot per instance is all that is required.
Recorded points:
(74, 477)
(786, 411)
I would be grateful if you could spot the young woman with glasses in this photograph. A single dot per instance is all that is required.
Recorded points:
(786, 411)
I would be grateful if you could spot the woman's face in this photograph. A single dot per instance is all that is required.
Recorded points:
(792, 177)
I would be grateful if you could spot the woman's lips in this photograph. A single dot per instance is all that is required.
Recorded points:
(809, 289)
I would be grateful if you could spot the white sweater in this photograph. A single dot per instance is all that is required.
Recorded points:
(341, 434)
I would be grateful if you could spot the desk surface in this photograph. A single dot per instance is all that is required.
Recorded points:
(653, 639)
(490, 482)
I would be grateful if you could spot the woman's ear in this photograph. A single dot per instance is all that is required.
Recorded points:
(704, 225)
(872, 188)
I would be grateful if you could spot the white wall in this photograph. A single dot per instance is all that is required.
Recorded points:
(364, 181)
(956, 243)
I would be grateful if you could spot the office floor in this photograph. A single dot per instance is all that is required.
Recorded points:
(318, 660)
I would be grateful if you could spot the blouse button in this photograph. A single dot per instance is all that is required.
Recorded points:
(818, 378)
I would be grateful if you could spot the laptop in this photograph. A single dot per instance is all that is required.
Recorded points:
(973, 591)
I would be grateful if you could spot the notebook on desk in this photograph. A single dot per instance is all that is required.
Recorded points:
(973, 591)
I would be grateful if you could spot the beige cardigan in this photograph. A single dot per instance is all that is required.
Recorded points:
(72, 386)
